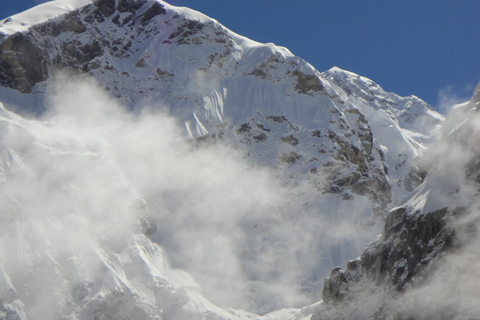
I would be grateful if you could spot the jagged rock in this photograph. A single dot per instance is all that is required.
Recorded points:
(129, 5)
(290, 158)
(261, 137)
(291, 140)
(279, 119)
(184, 31)
(334, 287)
(71, 23)
(22, 63)
(75, 54)
(155, 10)
(106, 7)
(307, 83)
(408, 247)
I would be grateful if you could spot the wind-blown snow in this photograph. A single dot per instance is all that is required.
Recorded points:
(74, 218)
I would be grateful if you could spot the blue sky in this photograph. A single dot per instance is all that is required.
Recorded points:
(408, 47)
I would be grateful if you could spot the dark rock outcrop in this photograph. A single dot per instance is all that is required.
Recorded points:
(155, 10)
(307, 83)
(22, 63)
(408, 249)
(70, 23)
(27, 58)
(129, 5)
(106, 7)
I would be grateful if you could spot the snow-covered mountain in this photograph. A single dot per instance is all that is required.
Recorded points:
(152, 131)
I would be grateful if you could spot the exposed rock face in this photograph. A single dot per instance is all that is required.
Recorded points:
(28, 58)
(335, 288)
(374, 285)
(22, 63)
(307, 83)
(106, 7)
(377, 285)
(129, 5)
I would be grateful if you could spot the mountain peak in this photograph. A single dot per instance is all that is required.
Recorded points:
(341, 73)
